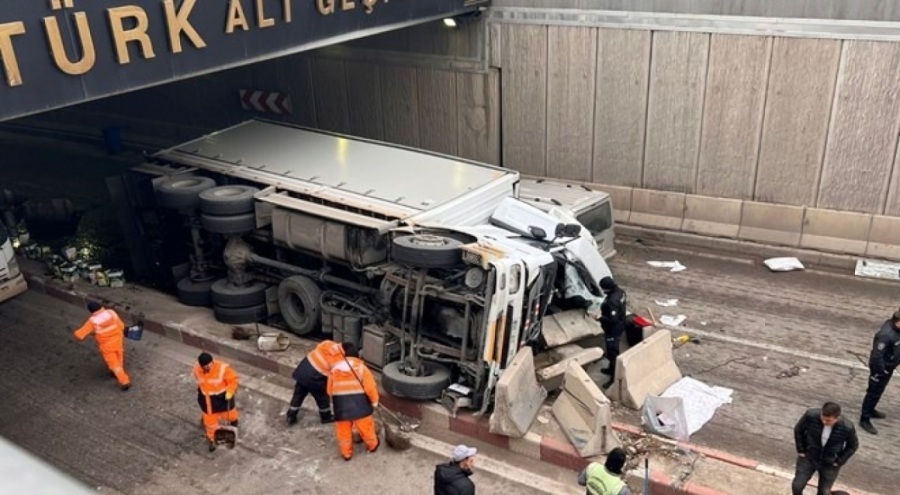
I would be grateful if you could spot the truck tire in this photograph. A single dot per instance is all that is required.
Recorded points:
(240, 316)
(427, 251)
(227, 200)
(192, 293)
(231, 224)
(182, 192)
(299, 297)
(426, 387)
(227, 295)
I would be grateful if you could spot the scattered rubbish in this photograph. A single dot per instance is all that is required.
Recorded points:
(273, 341)
(667, 303)
(787, 264)
(398, 437)
(792, 372)
(665, 416)
(703, 323)
(241, 333)
(878, 269)
(681, 340)
(700, 401)
(674, 266)
(672, 321)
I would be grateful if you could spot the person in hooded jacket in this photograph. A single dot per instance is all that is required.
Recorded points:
(452, 478)
(612, 320)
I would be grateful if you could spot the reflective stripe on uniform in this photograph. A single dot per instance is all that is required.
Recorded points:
(323, 355)
(345, 380)
(205, 383)
(104, 321)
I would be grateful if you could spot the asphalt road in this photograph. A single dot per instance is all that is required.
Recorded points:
(755, 325)
(60, 403)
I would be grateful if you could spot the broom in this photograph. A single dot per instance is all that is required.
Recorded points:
(397, 437)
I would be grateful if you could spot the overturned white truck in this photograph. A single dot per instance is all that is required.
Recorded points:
(429, 262)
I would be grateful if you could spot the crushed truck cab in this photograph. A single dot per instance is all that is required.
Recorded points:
(430, 263)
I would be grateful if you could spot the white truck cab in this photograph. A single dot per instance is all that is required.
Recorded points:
(12, 282)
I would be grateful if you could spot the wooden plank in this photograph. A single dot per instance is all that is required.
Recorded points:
(330, 90)
(623, 74)
(864, 126)
(798, 106)
(674, 110)
(524, 94)
(401, 104)
(572, 53)
(364, 100)
(438, 119)
(478, 138)
(732, 116)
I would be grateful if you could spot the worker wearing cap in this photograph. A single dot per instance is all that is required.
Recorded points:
(311, 377)
(354, 397)
(606, 478)
(217, 383)
(452, 478)
(109, 332)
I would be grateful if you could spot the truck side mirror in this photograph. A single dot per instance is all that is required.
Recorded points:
(537, 232)
(572, 230)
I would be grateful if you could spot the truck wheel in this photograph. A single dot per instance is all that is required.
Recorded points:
(298, 297)
(182, 192)
(227, 295)
(427, 251)
(424, 387)
(231, 224)
(192, 293)
(240, 316)
(227, 200)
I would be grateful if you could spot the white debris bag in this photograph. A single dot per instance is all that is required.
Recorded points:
(665, 416)
(672, 321)
(787, 264)
(673, 266)
(886, 270)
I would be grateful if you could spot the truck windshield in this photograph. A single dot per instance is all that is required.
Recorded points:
(598, 218)
(3, 235)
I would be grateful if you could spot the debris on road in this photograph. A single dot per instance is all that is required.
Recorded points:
(792, 372)
(786, 264)
(700, 401)
(674, 266)
(667, 303)
(672, 321)
(886, 270)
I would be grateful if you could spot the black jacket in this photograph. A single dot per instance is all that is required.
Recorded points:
(842, 443)
(885, 354)
(305, 374)
(612, 313)
(450, 479)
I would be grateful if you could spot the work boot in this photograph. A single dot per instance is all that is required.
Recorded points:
(865, 424)
(212, 446)
(878, 415)
(326, 417)
(125, 386)
(376, 447)
(291, 416)
(348, 458)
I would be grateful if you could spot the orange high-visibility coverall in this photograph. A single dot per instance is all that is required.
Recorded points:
(311, 376)
(109, 332)
(354, 394)
(215, 394)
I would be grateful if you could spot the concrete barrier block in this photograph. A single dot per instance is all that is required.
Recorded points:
(718, 217)
(584, 414)
(621, 200)
(770, 223)
(835, 231)
(551, 377)
(884, 238)
(518, 397)
(660, 209)
(569, 326)
(647, 368)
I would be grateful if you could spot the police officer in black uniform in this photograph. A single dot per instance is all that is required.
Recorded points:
(612, 320)
(884, 359)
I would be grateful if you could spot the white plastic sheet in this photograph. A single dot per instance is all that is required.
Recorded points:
(665, 416)
(878, 269)
(699, 399)
(673, 266)
(787, 264)
(667, 303)
(672, 321)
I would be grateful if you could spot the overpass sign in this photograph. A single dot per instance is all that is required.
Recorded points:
(55, 53)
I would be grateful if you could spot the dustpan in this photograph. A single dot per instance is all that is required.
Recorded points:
(226, 435)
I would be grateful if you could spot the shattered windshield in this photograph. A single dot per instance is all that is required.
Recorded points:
(575, 287)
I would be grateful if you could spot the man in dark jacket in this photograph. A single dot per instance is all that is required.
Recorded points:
(883, 361)
(612, 320)
(452, 478)
(825, 441)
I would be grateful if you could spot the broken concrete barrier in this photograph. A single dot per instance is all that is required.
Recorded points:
(584, 414)
(551, 376)
(568, 326)
(517, 397)
(647, 368)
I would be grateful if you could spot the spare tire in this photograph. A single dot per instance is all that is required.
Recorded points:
(425, 387)
(225, 294)
(227, 200)
(240, 316)
(192, 293)
(299, 299)
(427, 251)
(231, 224)
(182, 191)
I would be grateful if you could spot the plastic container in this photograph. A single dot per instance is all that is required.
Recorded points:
(135, 332)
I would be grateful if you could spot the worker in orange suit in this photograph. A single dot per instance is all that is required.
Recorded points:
(311, 377)
(217, 383)
(109, 332)
(354, 397)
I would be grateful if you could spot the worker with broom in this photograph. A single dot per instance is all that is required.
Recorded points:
(311, 377)
(354, 398)
(217, 383)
